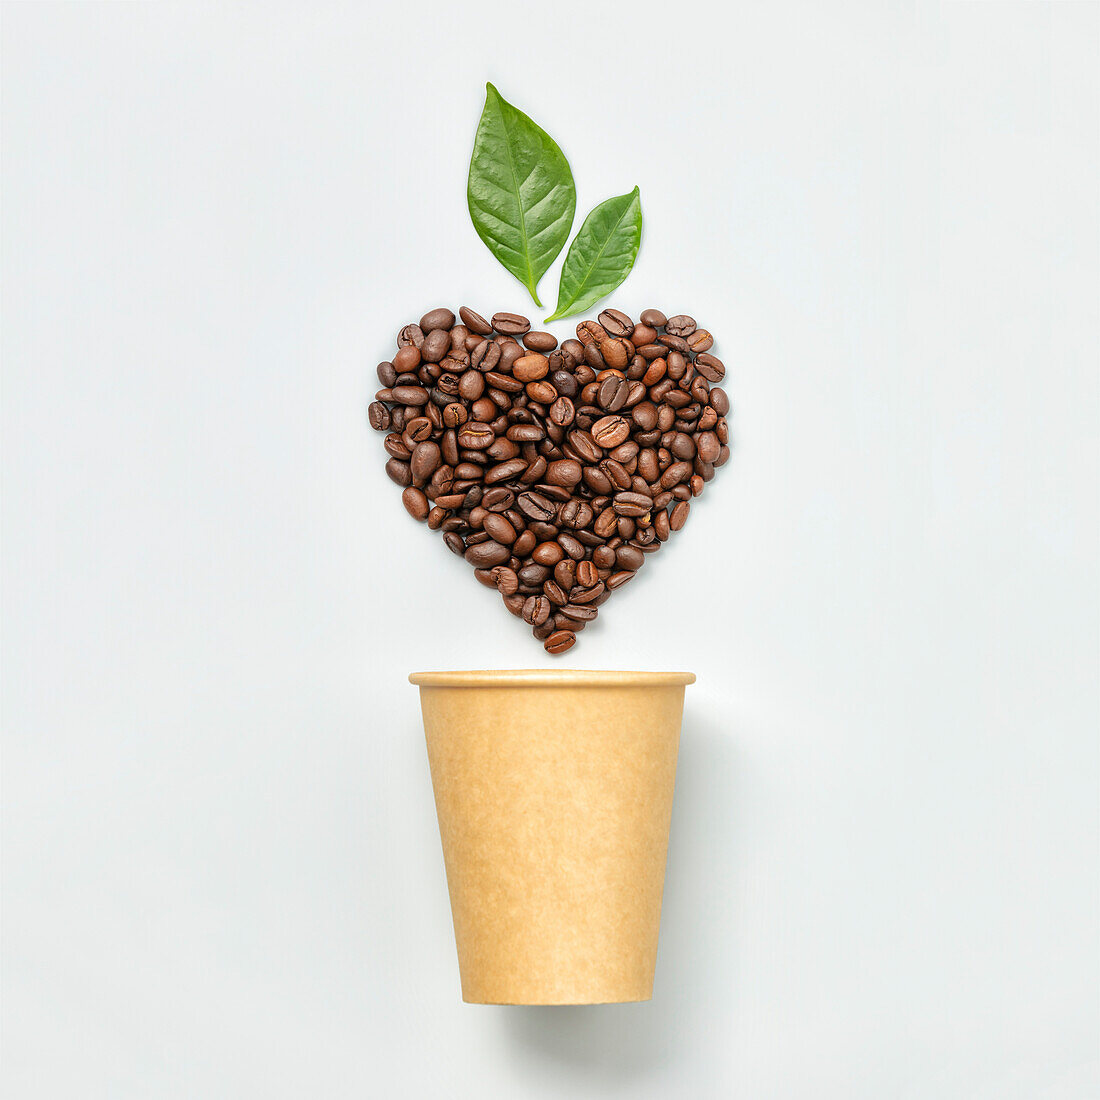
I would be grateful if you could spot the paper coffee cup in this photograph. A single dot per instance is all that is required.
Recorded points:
(554, 795)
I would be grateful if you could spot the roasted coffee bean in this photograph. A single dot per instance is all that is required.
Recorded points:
(707, 446)
(536, 610)
(560, 641)
(536, 506)
(425, 460)
(530, 368)
(410, 395)
(511, 324)
(399, 472)
(562, 412)
(441, 318)
(616, 323)
(533, 575)
(505, 471)
(499, 528)
(506, 580)
(554, 470)
(587, 574)
(416, 503)
(407, 359)
(475, 436)
(540, 341)
(565, 471)
(631, 504)
(610, 431)
(680, 325)
(584, 446)
(379, 416)
(435, 346)
(710, 367)
(613, 392)
(410, 335)
(615, 352)
(485, 356)
(486, 554)
(590, 332)
(474, 321)
(700, 340)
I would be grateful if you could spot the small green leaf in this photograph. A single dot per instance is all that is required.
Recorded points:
(601, 255)
(520, 191)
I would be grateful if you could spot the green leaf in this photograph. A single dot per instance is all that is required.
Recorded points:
(601, 255)
(520, 192)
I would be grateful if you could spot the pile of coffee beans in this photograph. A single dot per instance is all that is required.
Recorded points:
(555, 471)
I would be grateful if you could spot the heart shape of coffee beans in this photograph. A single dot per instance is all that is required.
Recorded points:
(555, 471)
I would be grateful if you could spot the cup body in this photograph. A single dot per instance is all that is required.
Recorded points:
(554, 795)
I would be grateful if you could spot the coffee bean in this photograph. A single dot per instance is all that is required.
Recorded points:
(707, 446)
(399, 472)
(679, 515)
(511, 324)
(379, 416)
(610, 431)
(680, 325)
(410, 335)
(565, 471)
(441, 318)
(562, 412)
(474, 321)
(654, 318)
(585, 447)
(536, 610)
(710, 367)
(505, 579)
(700, 340)
(536, 506)
(410, 395)
(486, 554)
(407, 359)
(560, 641)
(540, 341)
(416, 503)
(425, 460)
(616, 323)
(505, 471)
(613, 393)
(485, 356)
(530, 368)
(631, 504)
(475, 436)
(614, 352)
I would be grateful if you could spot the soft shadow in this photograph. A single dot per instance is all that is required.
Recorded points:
(696, 975)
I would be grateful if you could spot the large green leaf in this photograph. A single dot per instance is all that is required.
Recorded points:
(601, 255)
(520, 191)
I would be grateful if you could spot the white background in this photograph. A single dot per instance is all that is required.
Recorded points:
(222, 874)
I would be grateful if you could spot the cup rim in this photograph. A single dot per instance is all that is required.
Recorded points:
(550, 677)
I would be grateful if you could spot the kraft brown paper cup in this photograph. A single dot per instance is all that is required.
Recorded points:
(554, 795)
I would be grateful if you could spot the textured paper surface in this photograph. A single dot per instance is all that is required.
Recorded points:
(554, 801)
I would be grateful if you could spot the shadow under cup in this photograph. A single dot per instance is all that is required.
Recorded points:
(554, 796)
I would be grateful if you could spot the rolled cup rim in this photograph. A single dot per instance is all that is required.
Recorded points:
(549, 677)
